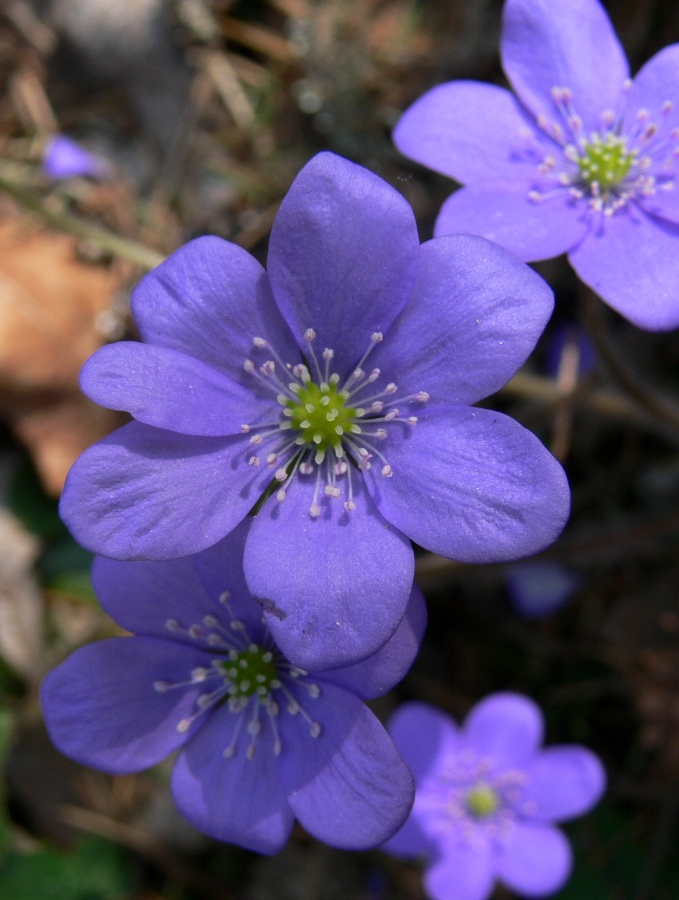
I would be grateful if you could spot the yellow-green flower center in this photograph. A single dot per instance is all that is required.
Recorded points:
(251, 671)
(482, 801)
(321, 415)
(606, 161)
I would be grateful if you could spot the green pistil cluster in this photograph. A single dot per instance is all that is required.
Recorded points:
(482, 801)
(251, 671)
(319, 413)
(606, 161)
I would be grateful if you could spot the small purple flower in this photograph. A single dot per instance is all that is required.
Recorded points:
(332, 396)
(64, 158)
(540, 587)
(584, 162)
(486, 796)
(261, 741)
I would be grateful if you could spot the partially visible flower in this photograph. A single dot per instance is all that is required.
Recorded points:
(64, 158)
(486, 798)
(261, 741)
(540, 587)
(332, 396)
(584, 162)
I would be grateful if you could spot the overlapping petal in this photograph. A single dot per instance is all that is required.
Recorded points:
(563, 43)
(101, 708)
(168, 389)
(342, 256)
(316, 577)
(505, 727)
(535, 860)
(378, 673)
(209, 299)
(654, 85)
(473, 485)
(348, 787)
(531, 230)
(472, 132)
(462, 871)
(424, 736)
(239, 800)
(490, 310)
(562, 783)
(146, 493)
(631, 261)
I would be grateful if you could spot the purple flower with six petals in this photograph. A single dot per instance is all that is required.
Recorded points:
(486, 796)
(332, 394)
(261, 741)
(584, 162)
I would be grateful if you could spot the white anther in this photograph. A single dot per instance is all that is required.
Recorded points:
(412, 420)
(268, 368)
(271, 459)
(195, 631)
(328, 353)
(229, 752)
(161, 686)
(374, 375)
(391, 415)
(331, 490)
(249, 366)
(314, 510)
(259, 342)
(280, 495)
(377, 406)
(245, 429)
(381, 433)
(422, 396)
(315, 730)
(534, 196)
(281, 474)
(254, 727)
(183, 726)
(306, 468)
(376, 337)
(256, 439)
(314, 690)
(387, 471)
(350, 506)
(309, 335)
(173, 625)
(341, 468)
(358, 374)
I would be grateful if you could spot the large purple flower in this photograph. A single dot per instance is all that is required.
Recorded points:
(584, 162)
(332, 395)
(487, 795)
(261, 741)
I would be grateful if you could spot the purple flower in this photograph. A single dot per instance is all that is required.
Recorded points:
(486, 797)
(64, 158)
(261, 741)
(332, 396)
(540, 587)
(584, 162)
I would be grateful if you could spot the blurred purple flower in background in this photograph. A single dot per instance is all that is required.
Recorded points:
(584, 162)
(261, 741)
(487, 795)
(332, 394)
(539, 588)
(64, 158)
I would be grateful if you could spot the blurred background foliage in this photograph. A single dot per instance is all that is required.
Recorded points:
(205, 110)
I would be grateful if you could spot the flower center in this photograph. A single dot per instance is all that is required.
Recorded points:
(250, 671)
(321, 415)
(482, 801)
(605, 161)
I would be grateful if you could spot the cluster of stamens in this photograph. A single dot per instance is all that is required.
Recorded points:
(475, 798)
(605, 168)
(326, 428)
(243, 675)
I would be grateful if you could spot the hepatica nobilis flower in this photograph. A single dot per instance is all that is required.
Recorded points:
(583, 161)
(260, 741)
(331, 395)
(65, 158)
(486, 798)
